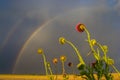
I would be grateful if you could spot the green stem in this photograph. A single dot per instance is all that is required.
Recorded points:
(116, 69)
(51, 74)
(103, 51)
(50, 70)
(45, 63)
(63, 68)
(56, 70)
(77, 52)
(89, 40)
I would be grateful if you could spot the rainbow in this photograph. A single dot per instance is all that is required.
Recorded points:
(28, 41)
(10, 33)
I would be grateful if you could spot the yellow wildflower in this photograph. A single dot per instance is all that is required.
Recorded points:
(40, 51)
(109, 61)
(62, 40)
(105, 47)
(63, 58)
(93, 42)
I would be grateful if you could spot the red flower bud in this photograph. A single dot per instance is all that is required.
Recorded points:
(80, 27)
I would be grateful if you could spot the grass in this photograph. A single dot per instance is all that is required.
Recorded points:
(43, 77)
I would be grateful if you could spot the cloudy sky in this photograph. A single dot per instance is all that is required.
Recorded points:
(26, 25)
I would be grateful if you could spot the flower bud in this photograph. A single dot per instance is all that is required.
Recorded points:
(93, 42)
(40, 51)
(55, 60)
(48, 64)
(105, 47)
(80, 27)
(110, 61)
(62, 40)
(63, 58)
(70, 64)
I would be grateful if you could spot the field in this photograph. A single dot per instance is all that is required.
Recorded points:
(42, 77)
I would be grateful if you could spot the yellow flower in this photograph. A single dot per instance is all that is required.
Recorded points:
(105, 47)
(62, 40)
(110, 61)
(55, 60)
(40, 51)
(93, 42)
(63, 58)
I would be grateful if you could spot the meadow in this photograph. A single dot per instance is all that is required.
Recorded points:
(35, 77)
(43, 77)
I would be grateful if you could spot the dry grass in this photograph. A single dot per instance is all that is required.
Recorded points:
(42, 77)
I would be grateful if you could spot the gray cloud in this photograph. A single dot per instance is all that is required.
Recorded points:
(117, 6)
(64, 25)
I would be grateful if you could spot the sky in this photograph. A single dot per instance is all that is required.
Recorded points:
(27, 25)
